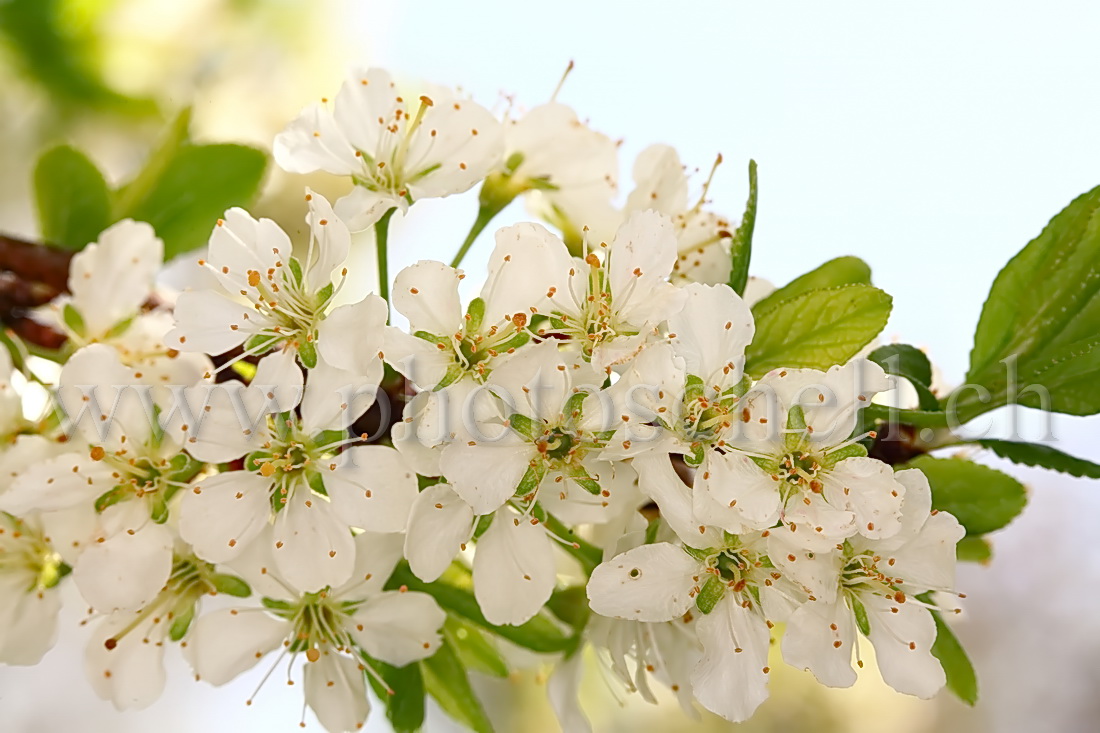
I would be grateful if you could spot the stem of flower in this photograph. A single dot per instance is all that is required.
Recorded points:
(485, 214)
(381, 237)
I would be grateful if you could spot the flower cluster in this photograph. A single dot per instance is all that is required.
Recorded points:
(584, 418)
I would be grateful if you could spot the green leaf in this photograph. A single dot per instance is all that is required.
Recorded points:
(1043, 311)
(817, 328)
(473, 649)
(175, 136)
(841, 271)
(540, 634)
(741, 246)
(55, 43)
(973, 549)
(981, 498)
(570, 605)
(1043, 456)
(909, 362)
(446, 680)
(194, 188)
(74, 203)
(405, 707)
(961, 678)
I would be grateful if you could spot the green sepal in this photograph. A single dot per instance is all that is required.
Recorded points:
(158, 512)
(651, 530)
(860, 613)
(111, 497)
(72, 319)
(483, 523)
(700, 554)
(307, 353)
(182, 623)
(574, 405)
(580, 476)
(520, 339)
(295, 270)
(694, 388)
(855, 450)
(231, 585)
(714, 590)
(525, 426)
(432, 338)
(796, 428)
(324, 295)
(741, 246)
(258, 343)
(536, 472)
(475, 314)
(274, 604)
(453, 374)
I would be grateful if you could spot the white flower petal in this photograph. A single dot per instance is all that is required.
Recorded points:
(111, 279)
(313, 142)
(734, 480)
(131, 674)
(28, 621)
(351, 335)
(372, 488)
(659, 481)
(711, 333)
(125, 571)
(280, 379)
(398, 627)
(513, 569)
(811, 638)
(486, 490)
(332, 241)
(649, 583)
(730, 678)
(222, 644)
(336, 692)
(314, 546)
(439, 524)
(903, 645)
(427, 294)
(224, 513)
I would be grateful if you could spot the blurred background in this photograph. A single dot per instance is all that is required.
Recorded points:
(932, 139)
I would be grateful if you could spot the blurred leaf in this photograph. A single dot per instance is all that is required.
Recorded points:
(473, 649)
(193, 189)
(817, 328)
(58, 54)
(1044, 311)
(961, 678)
(405, 707)
(446, 681)
(174, 137)
(1043, 456)
(74, 203)
(741, 246)
(909, 362)
(973, 549)
(841, 271)
(981, 498)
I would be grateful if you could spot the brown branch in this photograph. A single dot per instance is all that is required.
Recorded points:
(31, 275)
